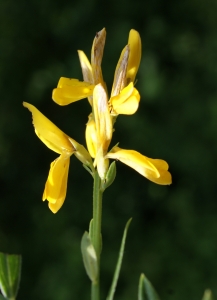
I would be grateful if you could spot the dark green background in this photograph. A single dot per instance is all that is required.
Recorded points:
(173, 236)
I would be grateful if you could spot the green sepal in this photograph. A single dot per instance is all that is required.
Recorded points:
(89, 257)
(110, 176)
(119, 262)
(10, 269)
(146, 290)
(207, 295)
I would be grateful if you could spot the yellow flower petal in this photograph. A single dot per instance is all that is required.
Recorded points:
(102, 117)
(135, 55)
(162, 166)
(85, 67)
(91, 137)
(104, 128)
(127, 102)
(56, 185)
(49, 133)
(153, 169)
(164, 179)
(71, 90)
(64, 81)
(86, 71)
(96, 56)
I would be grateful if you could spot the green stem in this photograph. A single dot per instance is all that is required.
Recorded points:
(96, 231)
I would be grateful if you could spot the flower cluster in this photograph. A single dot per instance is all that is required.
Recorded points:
(124, 99)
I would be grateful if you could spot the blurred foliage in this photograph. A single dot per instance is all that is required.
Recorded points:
(173, 234)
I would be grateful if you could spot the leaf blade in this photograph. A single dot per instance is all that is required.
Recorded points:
(146, 291)
(119, 262)
(10, 269)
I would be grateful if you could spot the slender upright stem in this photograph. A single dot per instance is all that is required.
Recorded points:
(96, 231)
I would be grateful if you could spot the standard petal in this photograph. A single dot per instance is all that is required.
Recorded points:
(48, 132)
(71, 90)
(120, 73)
(96, 56)
(127, 102)
(56, 185)
(135, 55)
(102, 117)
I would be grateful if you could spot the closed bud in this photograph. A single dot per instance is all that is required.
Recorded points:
(110, 176)
(89, 257)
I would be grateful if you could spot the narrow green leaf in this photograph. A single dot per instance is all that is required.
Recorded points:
(10, 269)
(208, 295)
(146, 290)
(2, 298)
(141, 292)
(119, 262)
(89, 257)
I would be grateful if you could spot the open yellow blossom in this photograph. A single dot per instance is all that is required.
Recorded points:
(71, 90)
(155, 170)
(59, 142)
(124, 99)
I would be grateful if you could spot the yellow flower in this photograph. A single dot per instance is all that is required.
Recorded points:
(124, 99)
(155, 170)
(59, 142)
(71, 90)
